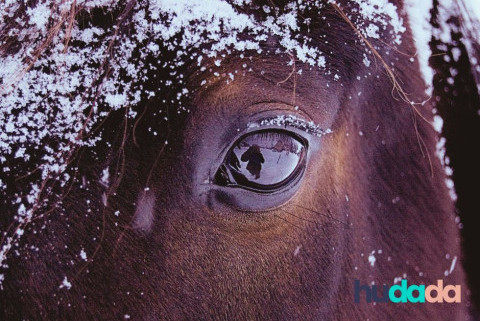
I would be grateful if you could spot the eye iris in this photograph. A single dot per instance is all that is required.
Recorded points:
(262, 160)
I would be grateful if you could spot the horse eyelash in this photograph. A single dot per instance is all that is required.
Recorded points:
(285, 121)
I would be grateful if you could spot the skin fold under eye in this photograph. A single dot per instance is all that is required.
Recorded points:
(263, 161)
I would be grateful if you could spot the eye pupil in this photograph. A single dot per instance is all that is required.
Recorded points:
(262, 161)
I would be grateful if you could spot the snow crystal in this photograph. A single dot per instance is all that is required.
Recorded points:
(456, 52)
(452, 266)
(105, 179)
(20, 152)
(366, 61)
(372, 31)
(83, 255)
(39, 16)
(65, 284)
(116, 100)
(437, 123)
(372, 259)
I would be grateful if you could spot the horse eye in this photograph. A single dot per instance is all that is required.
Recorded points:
(263, 161)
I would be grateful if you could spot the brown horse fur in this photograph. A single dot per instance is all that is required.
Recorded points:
(177, 251)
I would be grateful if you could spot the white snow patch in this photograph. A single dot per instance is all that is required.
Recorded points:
(39, 16)
(419, 20)
(380, 14)
(445, 161)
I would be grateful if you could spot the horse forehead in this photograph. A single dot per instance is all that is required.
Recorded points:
(275, 76)
(239, 80)
(269, 80)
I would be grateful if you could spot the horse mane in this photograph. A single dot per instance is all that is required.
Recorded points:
(456, 61)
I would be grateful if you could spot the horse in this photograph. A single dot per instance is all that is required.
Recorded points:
(233, 160)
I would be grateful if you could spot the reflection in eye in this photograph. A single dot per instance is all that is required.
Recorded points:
(263, 161)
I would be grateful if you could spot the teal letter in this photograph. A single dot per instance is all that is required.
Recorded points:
(421, 293)
(403, 290)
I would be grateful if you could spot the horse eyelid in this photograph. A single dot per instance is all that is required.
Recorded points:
(284, 121)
